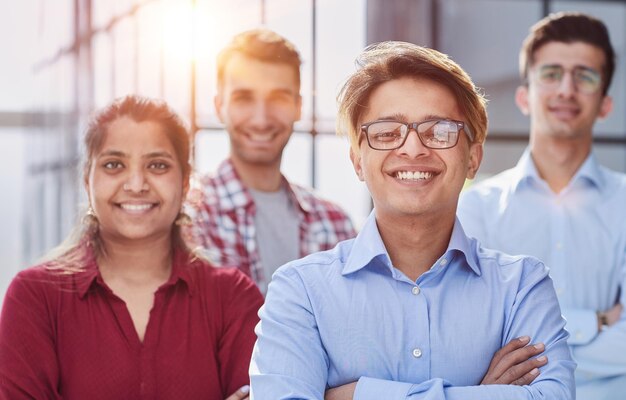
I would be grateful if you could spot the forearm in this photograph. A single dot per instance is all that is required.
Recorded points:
(603, 357)
(582, 324)
(438, 389)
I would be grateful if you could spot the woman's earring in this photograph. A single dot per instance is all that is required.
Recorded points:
(183, 219)
(90, 217)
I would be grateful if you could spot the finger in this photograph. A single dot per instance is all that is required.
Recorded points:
(527, 379)
(508, 348)
(240, 394)
(523, 373)
(516, 357)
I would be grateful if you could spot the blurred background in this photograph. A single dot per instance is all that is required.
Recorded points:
(62, 59)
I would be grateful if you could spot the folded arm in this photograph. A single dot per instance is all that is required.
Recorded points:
(290, 360)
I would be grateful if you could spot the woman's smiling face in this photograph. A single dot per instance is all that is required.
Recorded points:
(135, 184)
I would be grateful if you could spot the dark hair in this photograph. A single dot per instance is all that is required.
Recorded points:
(261, 44)
(568, 27)
(139, 109)
(71, 255)
(387, 61)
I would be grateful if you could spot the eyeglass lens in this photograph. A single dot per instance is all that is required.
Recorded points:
(436, 134)
(586, 80)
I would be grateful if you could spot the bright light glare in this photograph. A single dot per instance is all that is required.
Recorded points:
(178, 22)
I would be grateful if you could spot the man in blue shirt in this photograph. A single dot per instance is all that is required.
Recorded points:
(412, 308)
(558, 203)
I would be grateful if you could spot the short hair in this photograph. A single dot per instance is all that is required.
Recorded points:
(568, 27)
(387, 61)
(263, 45)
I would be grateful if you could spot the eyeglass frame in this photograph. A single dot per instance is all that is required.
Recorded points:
(413, 126)
(571, 71)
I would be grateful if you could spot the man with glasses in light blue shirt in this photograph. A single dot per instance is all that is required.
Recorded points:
(412, 308)
(558, 203)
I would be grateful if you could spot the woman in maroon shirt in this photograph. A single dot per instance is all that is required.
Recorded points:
(126, 310)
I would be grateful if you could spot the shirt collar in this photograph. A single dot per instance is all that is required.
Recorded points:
(182, 263)
(526, 172)
(90, 275)
(87, 277)
(461, 243)
(590, 172)
(369, 246)
(233, 194)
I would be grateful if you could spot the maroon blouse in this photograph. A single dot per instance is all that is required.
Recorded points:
(70, 337)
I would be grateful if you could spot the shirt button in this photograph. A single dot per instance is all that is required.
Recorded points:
(579, 335)
(559, 246)
(443, 262)
(415, 290)
(417, 353)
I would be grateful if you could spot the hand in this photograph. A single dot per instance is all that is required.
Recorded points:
(240, 394)
(343, 392)
(609, 317)
(613, 314)
(514, 364)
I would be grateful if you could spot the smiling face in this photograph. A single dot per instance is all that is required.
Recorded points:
(414, 180)
(135, 182)
(563, 110)
(258, 102)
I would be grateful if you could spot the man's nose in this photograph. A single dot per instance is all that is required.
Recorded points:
(567, 85)
(260, 114)
(413, 146)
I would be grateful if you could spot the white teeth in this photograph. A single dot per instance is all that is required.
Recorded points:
(413, 175)
(136, 207)
(261, 138)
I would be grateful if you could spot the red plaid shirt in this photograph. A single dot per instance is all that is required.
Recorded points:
(222, 211)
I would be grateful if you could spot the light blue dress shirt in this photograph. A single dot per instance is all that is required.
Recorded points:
(348, 315)
(580, 234)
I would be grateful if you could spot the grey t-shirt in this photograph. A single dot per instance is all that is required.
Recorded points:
(277, 230)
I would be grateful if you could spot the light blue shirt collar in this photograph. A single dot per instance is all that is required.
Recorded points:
(371, 247)
(588, 173)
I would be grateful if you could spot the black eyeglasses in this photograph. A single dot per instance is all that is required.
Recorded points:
(433, 133)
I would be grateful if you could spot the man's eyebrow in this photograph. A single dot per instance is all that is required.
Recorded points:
(557, 65)
(403, 118)
(436, 116)
(394, 116)
(241, 91)
(284, 91)
(553, 65)
(586, 68)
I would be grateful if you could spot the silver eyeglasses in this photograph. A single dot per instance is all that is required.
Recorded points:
(587, 80)
(433, 133)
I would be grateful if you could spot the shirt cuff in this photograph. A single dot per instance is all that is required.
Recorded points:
(376, 389)
(582, 325)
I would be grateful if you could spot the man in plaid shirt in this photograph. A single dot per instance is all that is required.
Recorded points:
(248, 215)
